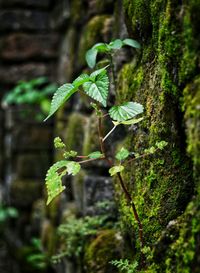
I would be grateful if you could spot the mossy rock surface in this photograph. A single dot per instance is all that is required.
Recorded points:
(103, 249)
(164, 78)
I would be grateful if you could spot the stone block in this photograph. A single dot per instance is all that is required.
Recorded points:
(21, 46)
(13, 73)
(25, 3)
(96, 189)
(24, 192)
(23, 20)
(28, 138)
(31, 165)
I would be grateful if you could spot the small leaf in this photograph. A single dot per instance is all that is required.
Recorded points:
(53, 179)
(73, 167)
(62, 94)
(95, 155)
(91, 56)
(125, 111)
(116, 44)
(150, 150)
(132, 121)
(116, 169)
(101, 47)
(98, 89)
(81, 80)
(132, 43)
(161, 144)
(122, 154)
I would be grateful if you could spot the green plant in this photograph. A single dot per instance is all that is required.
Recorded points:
(36, 257)
(33, 92)
(125, 265)
(74, 234)
(6, 213)
(96, 86)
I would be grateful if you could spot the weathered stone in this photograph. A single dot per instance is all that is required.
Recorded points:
(24, 46)
(13, 73)
(25, 3)
(32, 165)
(29, 138)
(99, 6)
(23, 20)
(96, 189)
(24, 192)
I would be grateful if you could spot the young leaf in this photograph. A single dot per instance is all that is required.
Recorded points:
(116, 44)
(81, 80)
(101, 47)
(116, 169)
(62, 94)
(122, 154)
(125, 111)
(91, 56)
(98, 89)
(161, 144)
(131, 42)
(73, 167)
(53, 179)
(95, 155)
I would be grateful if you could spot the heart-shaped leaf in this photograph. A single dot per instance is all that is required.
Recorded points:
(125, 111)
(62, 94)
(122, 154)
(97, 88)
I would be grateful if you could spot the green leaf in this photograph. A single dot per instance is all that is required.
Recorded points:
(116, 44)
(53, 179)
(101, 47)
(95, 155)
(101, 71)
(81, 80)
(91, 56)
(132, 43)
(132, 121)
(161, 144)
(150, 150)
(125, 111)
(122, 154)
(98, 88)
(73, 167)
(116, 169)
(62, 94)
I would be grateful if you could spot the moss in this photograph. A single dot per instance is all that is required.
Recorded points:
(74, 133)
(91, 141)
(94, 32)
(162, 184)
(191, 102)
(104, 248)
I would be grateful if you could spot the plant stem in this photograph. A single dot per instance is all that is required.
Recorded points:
(109, 133)
(113, 71)
(89, 160)
(123, 186)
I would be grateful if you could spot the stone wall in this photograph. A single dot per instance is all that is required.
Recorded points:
(164, 78)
